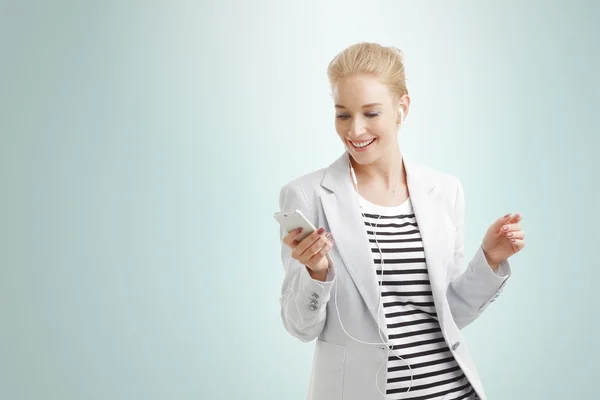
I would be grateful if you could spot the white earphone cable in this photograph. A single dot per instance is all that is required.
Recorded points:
(379, 303)
(380, 283)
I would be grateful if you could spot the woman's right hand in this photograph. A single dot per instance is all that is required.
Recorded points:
(312, 250)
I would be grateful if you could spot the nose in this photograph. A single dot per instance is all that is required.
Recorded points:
(357, 128)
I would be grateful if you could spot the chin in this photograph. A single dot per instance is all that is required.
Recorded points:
(365, 158)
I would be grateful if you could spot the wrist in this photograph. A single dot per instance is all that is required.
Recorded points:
(317, 275)
(492, 263)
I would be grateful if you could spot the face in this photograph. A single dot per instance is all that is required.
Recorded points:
(367, 117)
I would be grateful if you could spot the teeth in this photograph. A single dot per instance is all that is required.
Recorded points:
(363, 144)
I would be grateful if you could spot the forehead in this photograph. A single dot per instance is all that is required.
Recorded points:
(356, 90)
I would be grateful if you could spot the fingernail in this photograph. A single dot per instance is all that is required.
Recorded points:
(509, 234)
(295, 242)
(321, 230)
(507, 215)
(299, 230)
(505, 228)
(512, 240)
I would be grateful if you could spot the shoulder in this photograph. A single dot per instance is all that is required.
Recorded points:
(308, 180)
(302, 189)
(435, 175)
(446, 184)
(312, 182)
(448, 188)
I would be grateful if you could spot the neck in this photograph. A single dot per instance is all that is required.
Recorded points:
(387, 172)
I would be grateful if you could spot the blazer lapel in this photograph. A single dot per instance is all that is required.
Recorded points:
(345, 220)
(427, 202)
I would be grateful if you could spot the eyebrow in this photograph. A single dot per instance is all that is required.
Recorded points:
(365, 106)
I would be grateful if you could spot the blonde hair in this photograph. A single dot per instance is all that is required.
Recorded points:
(386, 63)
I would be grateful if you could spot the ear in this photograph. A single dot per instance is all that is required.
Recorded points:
(403, 105)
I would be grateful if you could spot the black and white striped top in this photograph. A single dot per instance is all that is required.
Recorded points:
(413, 328)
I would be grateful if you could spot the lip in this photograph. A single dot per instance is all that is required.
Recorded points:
(361, 149)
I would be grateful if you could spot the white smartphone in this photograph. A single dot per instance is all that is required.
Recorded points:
(291, 220)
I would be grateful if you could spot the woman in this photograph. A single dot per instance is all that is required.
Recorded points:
(387, 302)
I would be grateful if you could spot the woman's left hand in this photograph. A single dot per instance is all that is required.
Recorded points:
(503, 239)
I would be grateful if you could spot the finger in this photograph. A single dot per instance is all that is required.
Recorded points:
(322, 253)
(307, 242)
(516, 218)
(518, 243)
(312, 250)
(511, 228)
(515, 235)
(291, 237)
(500, 221)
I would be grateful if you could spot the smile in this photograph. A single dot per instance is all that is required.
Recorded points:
(362, 145)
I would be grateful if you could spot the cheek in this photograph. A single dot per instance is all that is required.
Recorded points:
(382, 128)
(341, 127)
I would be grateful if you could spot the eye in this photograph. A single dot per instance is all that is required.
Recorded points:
(372, 115)
(342, 116)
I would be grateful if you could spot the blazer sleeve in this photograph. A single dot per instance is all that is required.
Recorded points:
(471, 291)
(303, 299)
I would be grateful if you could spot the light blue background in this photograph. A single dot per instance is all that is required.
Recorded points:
(143, 146)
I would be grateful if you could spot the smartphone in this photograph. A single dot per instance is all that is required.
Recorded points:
(291, 220)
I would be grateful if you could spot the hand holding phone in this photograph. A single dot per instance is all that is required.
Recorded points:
(310, 246)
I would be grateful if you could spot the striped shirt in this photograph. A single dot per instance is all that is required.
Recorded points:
(413, 327)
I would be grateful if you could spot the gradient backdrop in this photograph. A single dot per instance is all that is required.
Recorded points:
(143, 146)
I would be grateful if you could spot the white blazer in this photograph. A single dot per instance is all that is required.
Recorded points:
(342, 367)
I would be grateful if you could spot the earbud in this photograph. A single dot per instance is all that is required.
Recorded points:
(401, 111)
